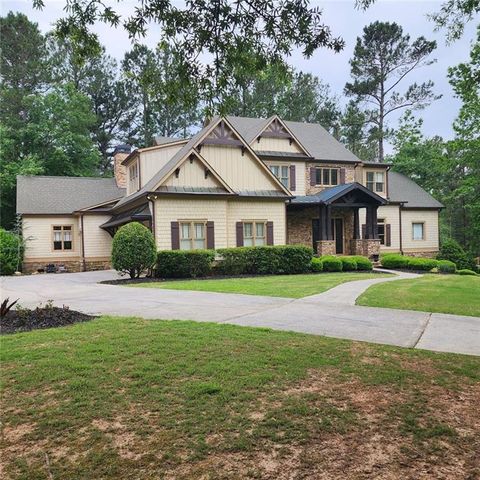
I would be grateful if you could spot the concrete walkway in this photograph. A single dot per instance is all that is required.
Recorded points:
(332, 313)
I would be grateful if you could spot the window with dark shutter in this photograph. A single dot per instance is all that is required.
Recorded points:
(269, 233)
(293, 178)
(239, 230)
(210, 235)
(388, 235)
(175, 233)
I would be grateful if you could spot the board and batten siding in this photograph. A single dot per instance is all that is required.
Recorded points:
(98, 242)
(276, 145)
(430, 220)
(389, 213)
(152, 161)
(299, 174)
(240, 172)
(39, 234)
(192, 174)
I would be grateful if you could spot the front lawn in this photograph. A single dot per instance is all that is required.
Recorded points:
(291, 286)
(131, 398)
(454, 294)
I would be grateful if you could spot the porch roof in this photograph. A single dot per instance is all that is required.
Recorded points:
(334, 194)
(135, 214)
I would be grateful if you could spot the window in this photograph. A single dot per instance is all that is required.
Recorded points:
(254, 234)
(375, 181)
(281, 172)
(326, 176)
(418, 231)
(192, 235)
(381, 230)
(133, 171)
(62, 237)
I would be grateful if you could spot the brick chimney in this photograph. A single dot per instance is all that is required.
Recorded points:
(120, 153)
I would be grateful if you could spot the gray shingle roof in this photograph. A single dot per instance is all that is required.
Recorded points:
(403, 189)
(316, 140)
(159, 140)
(40, 194)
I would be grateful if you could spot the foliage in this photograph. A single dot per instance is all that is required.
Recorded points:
(466, 271)
(382, 58)
(5, 306)
(11, 252)
(446, 266)
(184, 263)
(348, 263)
(422, 264)
(394, 260)
(452, 250)
(331, 263)
(316, 265)
(363, 263)
(210, 37)
(279, 259)
(133, 249)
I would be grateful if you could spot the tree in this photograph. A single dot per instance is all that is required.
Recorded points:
(208, 35)
(382, 58)
(133, 249)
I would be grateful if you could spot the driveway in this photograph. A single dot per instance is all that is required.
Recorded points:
(332, 313)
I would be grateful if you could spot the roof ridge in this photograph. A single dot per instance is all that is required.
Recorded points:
(66, 177)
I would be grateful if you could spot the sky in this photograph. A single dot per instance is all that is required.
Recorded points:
(345, 21)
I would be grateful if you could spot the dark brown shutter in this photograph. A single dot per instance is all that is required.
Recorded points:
(313, 176)
(342, 176)
(364, 231)
(293, 180)
(210, 235)
(239, 228)
(175, 235)
(269, 233)
(388, 235)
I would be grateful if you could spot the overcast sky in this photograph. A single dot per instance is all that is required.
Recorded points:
(345, 21)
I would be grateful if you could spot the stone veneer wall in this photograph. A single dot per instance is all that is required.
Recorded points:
(71, 266)
(312, 190)
(326, 247)
(366, 247)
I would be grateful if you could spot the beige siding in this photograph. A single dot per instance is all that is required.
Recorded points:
(276, 145)
(240, 210)
(223, 213)
(38, 232)
(240, 172)
(192, 175)
(153, 160)
(98, 243)
(368, 168)
(389, 213)
(299, 174)
(132, 183)
(430, 219)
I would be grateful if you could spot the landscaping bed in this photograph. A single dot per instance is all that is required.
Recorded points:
(24, 320)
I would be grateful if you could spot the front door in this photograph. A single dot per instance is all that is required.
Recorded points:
(337, 229)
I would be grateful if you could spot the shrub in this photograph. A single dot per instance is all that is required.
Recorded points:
(394, 260)
(184, 263)
(446, 266)
(363, 263)
(466, 271)
(316, 265)
(331, 264)
(282, 259)
(11, 252)
(451, 250)
(133, 249)
(423, 264)
(348, 264)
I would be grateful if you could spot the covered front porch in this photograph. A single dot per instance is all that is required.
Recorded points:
(330, 221)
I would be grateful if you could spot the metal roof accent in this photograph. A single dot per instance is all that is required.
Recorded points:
(138, 213)
(289, 155)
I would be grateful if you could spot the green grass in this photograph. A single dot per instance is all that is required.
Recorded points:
(454, 294)
(291, 286)
(131, 398)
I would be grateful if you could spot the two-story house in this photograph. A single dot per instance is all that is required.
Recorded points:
(237, 182)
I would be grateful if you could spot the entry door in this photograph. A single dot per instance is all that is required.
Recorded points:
(337, 229)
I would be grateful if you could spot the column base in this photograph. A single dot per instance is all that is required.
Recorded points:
(368, 247)
(326, 247)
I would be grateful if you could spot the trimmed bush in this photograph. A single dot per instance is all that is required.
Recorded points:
(446, 266)
(348, 264)
(133, 249)
(423, 264)
(394, 260)
(316, 265)
(184, 263)
(11, 252)
(466, 271)
(363, 263)
(331, 264)
(282, 259)
(451, 250)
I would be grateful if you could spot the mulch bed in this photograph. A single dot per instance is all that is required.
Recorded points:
(24, 320)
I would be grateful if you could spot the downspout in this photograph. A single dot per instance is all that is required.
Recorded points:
(400, 226)
(386, 182)
(84, 263)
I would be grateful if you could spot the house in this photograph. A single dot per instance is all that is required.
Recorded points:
(237, 182)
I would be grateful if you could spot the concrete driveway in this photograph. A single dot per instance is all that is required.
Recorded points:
(332, 313)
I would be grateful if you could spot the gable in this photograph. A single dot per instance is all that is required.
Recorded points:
(222, 134)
